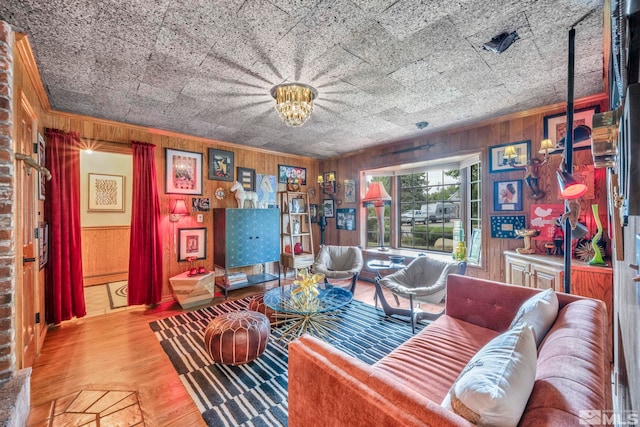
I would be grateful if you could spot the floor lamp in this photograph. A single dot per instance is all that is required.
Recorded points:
(378, 198)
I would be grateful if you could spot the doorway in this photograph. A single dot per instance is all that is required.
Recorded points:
(105, 218)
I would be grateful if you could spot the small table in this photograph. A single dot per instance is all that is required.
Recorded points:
(193, 290)
(315, 320)
(378, 265)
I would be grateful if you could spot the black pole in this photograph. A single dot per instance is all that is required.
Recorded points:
(322, 223)
(568, 158)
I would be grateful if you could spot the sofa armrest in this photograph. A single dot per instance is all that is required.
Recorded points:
(487, 303)
(330, 388)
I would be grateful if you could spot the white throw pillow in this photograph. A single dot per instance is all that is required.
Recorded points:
(494, 387)
(539, 312)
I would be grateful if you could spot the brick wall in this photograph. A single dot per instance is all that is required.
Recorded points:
(7, 253)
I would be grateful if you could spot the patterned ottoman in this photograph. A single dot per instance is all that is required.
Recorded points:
(237, 337)
(257, 304)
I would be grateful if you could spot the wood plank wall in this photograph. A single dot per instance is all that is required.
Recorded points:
(471, 139)
(105, 254)
(263, 161)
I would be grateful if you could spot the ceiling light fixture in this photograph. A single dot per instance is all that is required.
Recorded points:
(501, 42)
(294, 102)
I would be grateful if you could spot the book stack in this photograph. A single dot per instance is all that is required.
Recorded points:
(232, 279)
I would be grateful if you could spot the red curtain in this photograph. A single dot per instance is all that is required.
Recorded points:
(145, 258)
(64, 287)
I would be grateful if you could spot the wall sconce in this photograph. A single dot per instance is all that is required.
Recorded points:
(328, 182)
(179, 208)
(546, 145)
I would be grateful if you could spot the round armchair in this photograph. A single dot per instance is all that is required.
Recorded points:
(339, 263)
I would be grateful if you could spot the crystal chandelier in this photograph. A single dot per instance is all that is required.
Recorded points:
(294, 102)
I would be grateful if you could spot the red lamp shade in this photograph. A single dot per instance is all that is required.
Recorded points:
(179, 208)
(569, 187)
(376, 195)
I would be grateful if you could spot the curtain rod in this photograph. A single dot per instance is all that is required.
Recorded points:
(127, 144)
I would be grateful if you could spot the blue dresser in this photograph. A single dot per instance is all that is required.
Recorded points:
(245, 237)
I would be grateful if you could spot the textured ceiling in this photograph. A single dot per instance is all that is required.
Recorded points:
(205, 68)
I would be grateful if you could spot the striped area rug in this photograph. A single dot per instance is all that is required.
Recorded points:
(255, 394)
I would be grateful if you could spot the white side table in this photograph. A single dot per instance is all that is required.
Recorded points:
(191, 291)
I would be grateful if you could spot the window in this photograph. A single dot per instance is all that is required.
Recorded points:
(428, 198)
(429, 203)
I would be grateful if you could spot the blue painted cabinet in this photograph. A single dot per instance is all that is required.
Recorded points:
(244, 237)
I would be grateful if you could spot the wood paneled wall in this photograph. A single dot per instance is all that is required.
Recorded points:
(471, 139)
(96, 131)
(105, 254)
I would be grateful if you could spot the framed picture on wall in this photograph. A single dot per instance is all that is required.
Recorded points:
(220, 165)
(507, 195)
(41, 163)
(499, 160)
(43, 244)
(555, 126)
(346, 219)
(328, 208)
(285, 173)
(192, 242)
(350, 190)
(183, 172)
(247, 178)
(313, 212)
(505, 226)
(475, 247)
(106, 193)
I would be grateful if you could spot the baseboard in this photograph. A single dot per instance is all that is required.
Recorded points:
(100, 279)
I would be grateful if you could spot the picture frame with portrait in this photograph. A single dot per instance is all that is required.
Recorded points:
(192, 242)
(507, 195)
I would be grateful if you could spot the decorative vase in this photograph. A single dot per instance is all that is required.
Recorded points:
(597, 257)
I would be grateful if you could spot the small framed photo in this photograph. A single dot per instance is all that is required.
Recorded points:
(499, 160)
(183, 172)
(285, 173)
(555, 126)
(43, 244)
(328, 208)
(349, 190)
(507, 195)
(313, 212)
(298, 206)
(192, 242)
(41, 163)
(346, 219)
(329, 183)
(220, 165)
(106, 193)
(505, 226)
(200, 204)
(475, 247)
(247, 178)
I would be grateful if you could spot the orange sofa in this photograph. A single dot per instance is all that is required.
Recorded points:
(330, 388)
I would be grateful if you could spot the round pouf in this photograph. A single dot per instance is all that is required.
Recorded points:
(237, 337)
(257, 304)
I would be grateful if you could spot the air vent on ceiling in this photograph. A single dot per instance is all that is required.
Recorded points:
(501, 42)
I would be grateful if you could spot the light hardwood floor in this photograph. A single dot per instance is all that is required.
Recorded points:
(117, 352)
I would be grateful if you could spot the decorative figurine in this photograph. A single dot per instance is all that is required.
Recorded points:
(527, 234)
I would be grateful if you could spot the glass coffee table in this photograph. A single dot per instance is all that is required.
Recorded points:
(315, 319)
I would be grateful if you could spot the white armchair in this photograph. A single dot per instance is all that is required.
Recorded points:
(339, 263)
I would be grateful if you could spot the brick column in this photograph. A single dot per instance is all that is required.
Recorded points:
(7, 237)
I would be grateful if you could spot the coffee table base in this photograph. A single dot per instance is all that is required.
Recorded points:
(319, 325)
